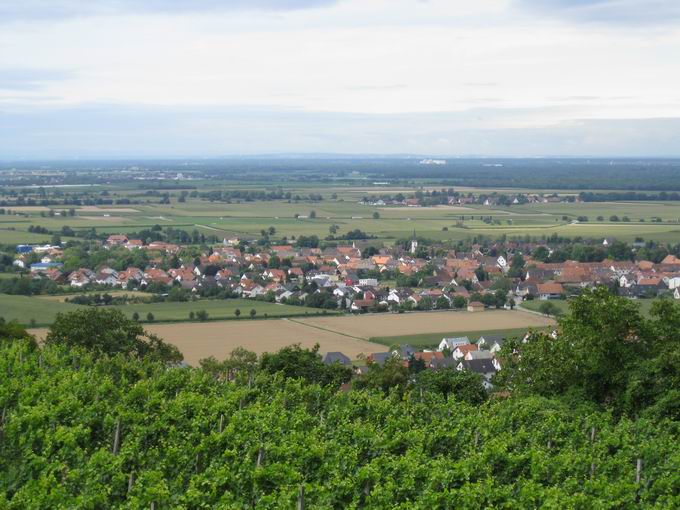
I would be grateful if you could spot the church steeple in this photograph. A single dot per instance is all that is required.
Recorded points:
(414, 242)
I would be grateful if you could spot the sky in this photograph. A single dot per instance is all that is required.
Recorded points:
(211, 78)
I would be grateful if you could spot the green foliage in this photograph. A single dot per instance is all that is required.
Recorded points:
(549, 308)
(296, 362)
(108, 332)
(190, 440)
(606, 352)
(12, 330)
(463, 385)
(391, 375)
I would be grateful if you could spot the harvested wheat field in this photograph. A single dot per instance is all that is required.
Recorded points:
(219, 338)
(198, 340)
(347, 334)
(382, 325)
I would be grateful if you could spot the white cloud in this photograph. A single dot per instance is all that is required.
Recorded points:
(372, 57)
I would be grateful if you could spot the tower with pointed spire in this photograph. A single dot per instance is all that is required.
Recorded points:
(414, 242)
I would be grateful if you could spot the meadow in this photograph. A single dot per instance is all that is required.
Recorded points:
(562, 305)
(43, 309)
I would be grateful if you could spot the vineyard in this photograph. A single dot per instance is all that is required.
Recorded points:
(78, 432)
(104, 416)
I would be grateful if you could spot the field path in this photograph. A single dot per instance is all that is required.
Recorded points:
(382, 325)
(325, 329)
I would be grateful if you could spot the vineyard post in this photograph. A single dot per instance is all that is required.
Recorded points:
(131, 481)
(301, 498)
(221, 428)
(260, 457)
(116, 438)
(638, 470)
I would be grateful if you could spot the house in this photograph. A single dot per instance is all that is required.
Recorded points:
(43, 266)
(404, 351)
(24, 248)
(483, 367)
(470, 355)
(368, 282)
(439, 363)
(496, 346)
(81, 277)
(549, 290)
(336, 357)
(462, 350)
(671, 260)
(672, 282)
(379, 357)
(452, 343)
(398, 296)
(429, 356)
(486, 341)
(278, 275)
(106, 276)
(362, 305)
(475, 306)
(134, 244)
(116, 240)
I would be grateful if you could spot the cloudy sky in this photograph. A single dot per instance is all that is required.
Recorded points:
(175, 78)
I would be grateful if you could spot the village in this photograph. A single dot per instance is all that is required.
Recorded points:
(366, 280)
(359, 278)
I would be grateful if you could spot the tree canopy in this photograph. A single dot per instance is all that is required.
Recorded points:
(108, 331)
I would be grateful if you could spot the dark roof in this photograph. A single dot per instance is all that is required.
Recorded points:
(336, 357)
(491, 339)
(479, 366)
(438, 363)
(380, 357)
(406, 351)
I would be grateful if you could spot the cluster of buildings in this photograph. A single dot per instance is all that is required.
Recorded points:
(468, 199)
(352, 280)
(480, 357)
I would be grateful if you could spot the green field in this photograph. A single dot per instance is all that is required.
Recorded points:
(24, 309)
(431, 340)
(217, 309)
(249, 218)
(563, 305)
(43, 309)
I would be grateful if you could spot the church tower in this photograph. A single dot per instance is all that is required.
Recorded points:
(414, 242)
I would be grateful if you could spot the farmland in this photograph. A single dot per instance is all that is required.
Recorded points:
(339, 206)
(373, 325)
(347, 334)
(43, 309)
